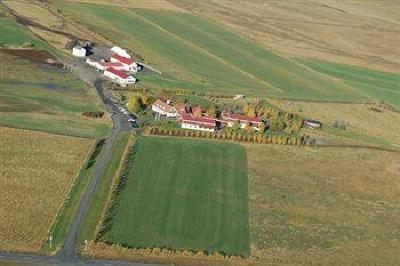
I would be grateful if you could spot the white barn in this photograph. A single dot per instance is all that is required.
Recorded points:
(79, 51)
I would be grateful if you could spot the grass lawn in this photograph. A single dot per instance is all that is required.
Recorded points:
(14, 34)
(47, 98)
(197, 54)
(183, 195)
(324, 206)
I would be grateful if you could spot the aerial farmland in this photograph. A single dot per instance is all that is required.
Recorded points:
(180, 132)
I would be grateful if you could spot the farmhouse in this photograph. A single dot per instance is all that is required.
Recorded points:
(129, 63)
(164, 109)
(79, 51)
(198, 123)
(119, 76)
(229, 119)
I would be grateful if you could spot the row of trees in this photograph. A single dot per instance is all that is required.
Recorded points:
(236, 136)
(162, 252)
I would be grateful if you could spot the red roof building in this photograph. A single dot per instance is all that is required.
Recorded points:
(122, 59)
(118, 73)
(198, 123)
(230, 118)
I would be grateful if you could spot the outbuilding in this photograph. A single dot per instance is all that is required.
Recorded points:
(127, 62)
(79, 51)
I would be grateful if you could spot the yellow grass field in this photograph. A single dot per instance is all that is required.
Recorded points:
(324, 206)
(36, 173)
(347, 32)
(362, 122)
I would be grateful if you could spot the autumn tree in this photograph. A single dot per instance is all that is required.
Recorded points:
(211, 111)
(261, 127)
(134, 105)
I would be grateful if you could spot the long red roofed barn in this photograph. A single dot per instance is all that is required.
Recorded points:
(119, 76)
(129, 63)
(189, 121)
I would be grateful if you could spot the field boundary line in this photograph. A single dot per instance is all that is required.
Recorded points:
(70, 192)
(204, 51)
(114, 184)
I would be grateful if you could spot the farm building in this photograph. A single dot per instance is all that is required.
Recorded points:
(127, 62)
(198, 123)
(79, 51)
(312, 123)
(120, 51)
(229, 119)
(164, 109)
(103, 65)
(119, 76)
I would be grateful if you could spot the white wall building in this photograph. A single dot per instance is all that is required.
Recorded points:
(195, 123)
(120, 51)
(128, 62)
(164, 109)
(120, 77)
(79, 51)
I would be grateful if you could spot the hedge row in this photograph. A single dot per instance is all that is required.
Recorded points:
(251, 138)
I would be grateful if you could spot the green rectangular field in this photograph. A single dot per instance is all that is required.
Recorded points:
(183, 195)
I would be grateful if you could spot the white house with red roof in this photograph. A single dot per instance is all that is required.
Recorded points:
(102, 65)
(162, 108)
(230, 118)
(129, 63)
(119, 76)
(189, 121)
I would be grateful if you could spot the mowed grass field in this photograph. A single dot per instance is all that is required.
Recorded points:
(324, 206)
(378, 85)
(198, 54)
(46, 98)
(183, 195)
(37, 170)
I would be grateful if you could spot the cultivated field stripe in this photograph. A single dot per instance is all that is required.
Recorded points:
(199, 48)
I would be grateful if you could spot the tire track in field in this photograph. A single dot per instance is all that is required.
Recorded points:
(204, 51)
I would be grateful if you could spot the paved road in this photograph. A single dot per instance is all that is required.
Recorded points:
(68, 254)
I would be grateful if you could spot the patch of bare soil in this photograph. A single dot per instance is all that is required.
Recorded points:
(37, 56)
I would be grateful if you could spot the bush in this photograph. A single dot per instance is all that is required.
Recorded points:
(27, 45)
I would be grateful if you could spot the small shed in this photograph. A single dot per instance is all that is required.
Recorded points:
(312, 123)
(79, 51)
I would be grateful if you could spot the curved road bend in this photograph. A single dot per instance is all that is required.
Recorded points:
(69, 254)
